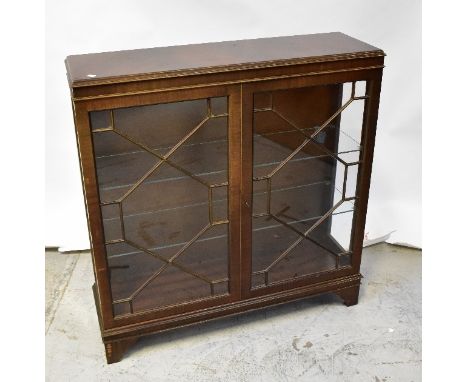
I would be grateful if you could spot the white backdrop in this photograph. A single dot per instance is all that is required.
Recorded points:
(84, 26)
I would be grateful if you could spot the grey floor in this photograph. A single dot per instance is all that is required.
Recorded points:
(319, 339)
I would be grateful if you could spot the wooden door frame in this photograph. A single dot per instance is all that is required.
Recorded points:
(103, 296)
(373, 83)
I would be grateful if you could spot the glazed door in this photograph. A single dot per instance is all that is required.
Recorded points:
(299, 196)
(167, 182)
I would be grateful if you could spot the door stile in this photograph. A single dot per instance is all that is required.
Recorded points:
(246, 189)
(235, 177)
(93, 213)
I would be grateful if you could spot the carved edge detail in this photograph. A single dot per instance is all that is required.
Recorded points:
(225, 68)
(223, 83)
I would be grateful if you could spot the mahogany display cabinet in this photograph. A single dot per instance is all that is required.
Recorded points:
(224, 177)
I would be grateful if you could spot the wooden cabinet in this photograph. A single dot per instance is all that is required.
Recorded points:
(223, 177)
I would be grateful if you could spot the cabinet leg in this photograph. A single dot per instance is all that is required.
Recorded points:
(116, 349)
(349, 295)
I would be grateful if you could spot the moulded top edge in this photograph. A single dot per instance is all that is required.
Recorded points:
(174, 61)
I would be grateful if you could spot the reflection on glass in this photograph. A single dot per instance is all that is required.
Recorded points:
(162, 173)
(306, 158)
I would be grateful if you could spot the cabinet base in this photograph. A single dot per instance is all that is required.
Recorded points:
(118, 340)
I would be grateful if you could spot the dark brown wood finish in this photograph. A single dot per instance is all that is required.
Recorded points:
(299, 71)
(223, 56)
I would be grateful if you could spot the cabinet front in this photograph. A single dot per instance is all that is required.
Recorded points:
(163, 175)
(306, 154)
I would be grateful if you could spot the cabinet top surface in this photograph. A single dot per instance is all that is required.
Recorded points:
(127, 65)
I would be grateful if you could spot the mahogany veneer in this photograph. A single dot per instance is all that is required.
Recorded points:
(224, 177)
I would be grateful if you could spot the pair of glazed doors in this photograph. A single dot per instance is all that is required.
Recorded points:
(215, 194)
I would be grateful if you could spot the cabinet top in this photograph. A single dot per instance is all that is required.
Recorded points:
(131, 65)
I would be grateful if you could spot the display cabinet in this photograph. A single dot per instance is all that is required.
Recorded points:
(224, 177)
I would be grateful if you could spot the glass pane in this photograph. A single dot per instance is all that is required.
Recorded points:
(306, 159)
(162, 173)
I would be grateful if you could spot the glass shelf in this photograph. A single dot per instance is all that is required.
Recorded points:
(306, 152)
